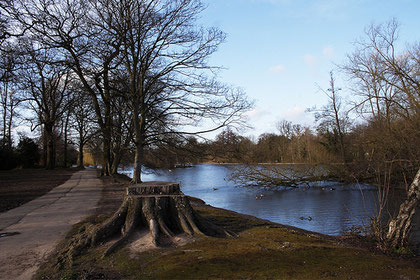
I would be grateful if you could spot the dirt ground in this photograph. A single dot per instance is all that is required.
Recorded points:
(262, 250)
(112, 194)
(20, 186)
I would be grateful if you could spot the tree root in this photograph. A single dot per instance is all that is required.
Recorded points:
(164, 216)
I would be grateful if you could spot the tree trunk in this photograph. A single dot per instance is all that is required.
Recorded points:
(80, 156)
(66, 140)
(50, 153)
(10, 123)
(116, 151)
(116, 161)
(139, 123)
(4, 119)
(159, 207)
(138, 159)
(399, 228)
(106, 160)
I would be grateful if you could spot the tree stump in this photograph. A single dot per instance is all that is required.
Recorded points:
(159, 207)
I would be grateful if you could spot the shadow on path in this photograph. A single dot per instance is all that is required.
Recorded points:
(29, 233)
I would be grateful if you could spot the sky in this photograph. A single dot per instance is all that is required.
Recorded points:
(281, 51)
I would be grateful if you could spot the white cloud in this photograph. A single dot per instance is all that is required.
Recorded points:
(294, 112)
(328, 52)
(297, 115)
(277, 69)
(310, 60)
(256, 114)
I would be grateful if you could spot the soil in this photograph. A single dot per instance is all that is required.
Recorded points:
(262, 250)
(112, 194)
(20, 186)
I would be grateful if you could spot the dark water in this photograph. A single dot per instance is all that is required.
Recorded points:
(332, 211)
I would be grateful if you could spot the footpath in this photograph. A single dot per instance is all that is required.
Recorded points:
(29, 233)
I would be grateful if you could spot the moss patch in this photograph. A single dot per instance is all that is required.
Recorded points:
(262, 250)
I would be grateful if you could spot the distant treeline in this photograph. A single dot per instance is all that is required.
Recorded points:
(375, 145)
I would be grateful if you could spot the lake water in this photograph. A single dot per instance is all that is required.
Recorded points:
(333, 210)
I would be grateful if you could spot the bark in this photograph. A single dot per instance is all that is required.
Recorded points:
(116, 161)
(116, 150)
(80, 156)
(139, 129)
(399, 228)
(66, 140)
(50, 145)
(138, 159)
(106, 160)
(158, 207)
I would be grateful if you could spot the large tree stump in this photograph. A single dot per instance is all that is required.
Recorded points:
(159, 207)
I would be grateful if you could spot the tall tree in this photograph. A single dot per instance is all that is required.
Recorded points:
(83, 122)
(332, 118)
(82, 37)
(171, 84)
(45, 88)
(8, 93)
(159, 45)
(399, 73)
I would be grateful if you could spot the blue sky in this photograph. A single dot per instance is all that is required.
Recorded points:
(280, 51)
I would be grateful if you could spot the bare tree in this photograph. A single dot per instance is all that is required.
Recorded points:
(81, 36)
(45, 91)
(170, 81)
(332, 118)
(83, 122)
(285, 128)
(275, 176)
(391, 80)
(169, 87)
(8, 94)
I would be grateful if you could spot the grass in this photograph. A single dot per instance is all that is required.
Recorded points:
(262, 250)
(20, 186)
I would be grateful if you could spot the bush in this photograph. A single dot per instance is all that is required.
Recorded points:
(8, 158)
(28, 152)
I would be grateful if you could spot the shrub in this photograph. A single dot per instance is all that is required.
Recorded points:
(28, 152)
(8, 159)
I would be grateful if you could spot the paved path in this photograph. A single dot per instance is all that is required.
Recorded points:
(43, 222)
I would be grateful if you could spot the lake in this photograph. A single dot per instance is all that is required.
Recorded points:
(332, 210)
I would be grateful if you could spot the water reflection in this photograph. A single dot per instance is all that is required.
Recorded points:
(333, 209)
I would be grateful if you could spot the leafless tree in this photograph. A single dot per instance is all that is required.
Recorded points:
(169, 86)
(8, 94)
(285, 128)
(44, 84)
(170, 81)
(332, 117)
(391, 85)
(83, 122)
(157, 42)
(80, 34)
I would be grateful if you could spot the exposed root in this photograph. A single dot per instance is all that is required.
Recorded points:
(164, 216)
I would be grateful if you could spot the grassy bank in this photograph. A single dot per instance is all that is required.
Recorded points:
(20, 186)
(262, 250)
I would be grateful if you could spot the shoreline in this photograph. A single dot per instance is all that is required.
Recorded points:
(261, 250)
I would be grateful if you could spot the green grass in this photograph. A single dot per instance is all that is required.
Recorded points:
(262, 250)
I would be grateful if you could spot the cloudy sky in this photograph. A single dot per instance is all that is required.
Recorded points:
(281, 51)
